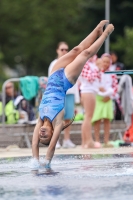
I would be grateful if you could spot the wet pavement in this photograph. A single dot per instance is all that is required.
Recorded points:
(81, 177)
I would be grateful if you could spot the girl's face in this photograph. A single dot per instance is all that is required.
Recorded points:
(46, 133)
(105, 63)
(62, 50)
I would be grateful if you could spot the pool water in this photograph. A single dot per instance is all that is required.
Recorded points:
(79, 177)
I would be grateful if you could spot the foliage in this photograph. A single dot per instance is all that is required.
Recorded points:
(125, 46)
(30, 30)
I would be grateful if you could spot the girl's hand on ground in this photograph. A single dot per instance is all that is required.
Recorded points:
(45, 164)
(106, 99)
(34, 164)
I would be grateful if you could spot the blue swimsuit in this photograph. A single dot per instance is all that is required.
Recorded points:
(53, 99)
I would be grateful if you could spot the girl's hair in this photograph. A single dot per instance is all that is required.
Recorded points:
(68, 123)
(62, 42)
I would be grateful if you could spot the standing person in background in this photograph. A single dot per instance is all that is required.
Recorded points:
(12, 114)
(115, 64)
(89, 82)
(71, 96)
(104, 104)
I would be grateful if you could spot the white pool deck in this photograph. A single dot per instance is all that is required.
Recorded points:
(14, 151)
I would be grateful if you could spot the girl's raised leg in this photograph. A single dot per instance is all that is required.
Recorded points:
(85, 44)
(74, 69)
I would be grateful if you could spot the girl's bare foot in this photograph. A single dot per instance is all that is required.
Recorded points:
(82, 146)
(109, 29)
(93, 145)
(85, 146)
(100, 26)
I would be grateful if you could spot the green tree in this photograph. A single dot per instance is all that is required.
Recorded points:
(124, 44)
(30, 30)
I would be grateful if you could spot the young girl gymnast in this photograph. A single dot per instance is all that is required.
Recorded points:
(63, 76)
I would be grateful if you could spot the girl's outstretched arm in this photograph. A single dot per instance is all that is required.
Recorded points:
(35, 139)
(65, 60)
(52, 145)
(34, 162)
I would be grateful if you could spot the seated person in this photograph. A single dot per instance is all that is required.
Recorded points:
(24, 107)
(12, 108)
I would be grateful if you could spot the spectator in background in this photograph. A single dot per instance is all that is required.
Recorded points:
(11, 114)
(89, 82)
(115, 64)
(15, 110)
(104, 104)
(72, 96)
(25, 107)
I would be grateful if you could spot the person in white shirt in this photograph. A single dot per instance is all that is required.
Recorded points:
(72, 96)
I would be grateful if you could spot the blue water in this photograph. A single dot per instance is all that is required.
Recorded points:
(79, 177)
